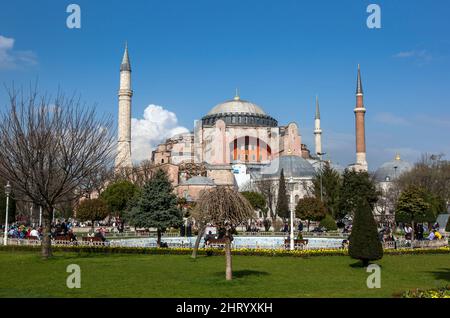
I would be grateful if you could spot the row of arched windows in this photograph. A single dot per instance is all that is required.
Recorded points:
(233, 119)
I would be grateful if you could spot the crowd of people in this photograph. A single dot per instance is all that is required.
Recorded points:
(419, 231)
(60, 230)
(21, 231)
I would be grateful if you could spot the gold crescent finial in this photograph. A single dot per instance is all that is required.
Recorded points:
(236, 96)
(397, 156)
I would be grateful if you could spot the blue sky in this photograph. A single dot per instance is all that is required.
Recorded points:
(188, 56)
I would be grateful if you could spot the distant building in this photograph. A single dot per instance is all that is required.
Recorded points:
(385, 176)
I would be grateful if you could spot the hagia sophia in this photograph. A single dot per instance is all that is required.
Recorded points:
(237, 143)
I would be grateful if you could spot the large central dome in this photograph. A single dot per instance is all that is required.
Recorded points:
(236, 105)
(238, 112)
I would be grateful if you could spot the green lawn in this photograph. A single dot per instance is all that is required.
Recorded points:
(24, 274)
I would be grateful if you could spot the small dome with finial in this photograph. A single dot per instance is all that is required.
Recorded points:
(391, 170)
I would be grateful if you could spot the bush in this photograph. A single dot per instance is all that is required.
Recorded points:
(364, 242)
(443, 292)
(329, 223)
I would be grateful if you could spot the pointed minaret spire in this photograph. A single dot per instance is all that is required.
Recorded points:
(123, 159)
(317, 108)
(359, 89)
(125, 66)
(317, 130)
(360, 111)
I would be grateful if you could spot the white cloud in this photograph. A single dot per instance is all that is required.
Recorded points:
(421, 56)
(10, 58)
(390, 119)
(156, 125)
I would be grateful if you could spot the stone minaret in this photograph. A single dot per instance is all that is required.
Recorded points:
(123, 158)
(317, 130)
(360, 110)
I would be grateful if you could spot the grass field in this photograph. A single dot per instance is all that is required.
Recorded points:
(24, 274)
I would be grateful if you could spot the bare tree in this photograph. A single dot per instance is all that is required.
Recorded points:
(143, 172)
(269, 189)
(431, 173)
(50, 148)
(225, 208)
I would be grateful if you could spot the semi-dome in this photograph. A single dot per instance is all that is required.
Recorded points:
(392, 169)
(199, 180)
(293, 166)
(238, 112)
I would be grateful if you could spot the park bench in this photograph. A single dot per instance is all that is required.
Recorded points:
(298, 244)
(94, 240)
(62, 238)
(142, 232)
(217, 243)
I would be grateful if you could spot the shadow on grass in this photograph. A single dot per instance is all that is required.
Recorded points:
(442, 274)
(244, 273)
(360, 264)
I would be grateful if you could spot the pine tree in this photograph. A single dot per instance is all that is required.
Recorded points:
(330, 190)
(282, 202)
(156, 206)
(364, 242)
(356, 187)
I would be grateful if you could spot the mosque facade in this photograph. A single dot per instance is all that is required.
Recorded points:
(237, 144)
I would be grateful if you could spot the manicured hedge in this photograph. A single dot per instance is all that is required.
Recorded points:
(213, 252)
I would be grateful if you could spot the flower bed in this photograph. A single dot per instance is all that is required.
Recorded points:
(443, 292)
(213, 252)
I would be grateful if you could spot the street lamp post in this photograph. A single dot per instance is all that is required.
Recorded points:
(321, 172)
(7, 192)
(291, 236)
(40, 216)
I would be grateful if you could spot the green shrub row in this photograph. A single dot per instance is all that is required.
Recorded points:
(214, 252)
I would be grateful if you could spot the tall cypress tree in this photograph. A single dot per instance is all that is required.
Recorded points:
(282, 202)
(364, 242)
(331, 187)
(156, 206)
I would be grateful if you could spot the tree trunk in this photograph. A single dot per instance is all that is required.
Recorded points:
(228, 263)
(158, 240)
(308, 227)
(412, 233)
(201, 231)
(365, 262)
(46, 244)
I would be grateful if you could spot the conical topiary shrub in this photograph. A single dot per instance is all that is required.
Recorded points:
(364, 242)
